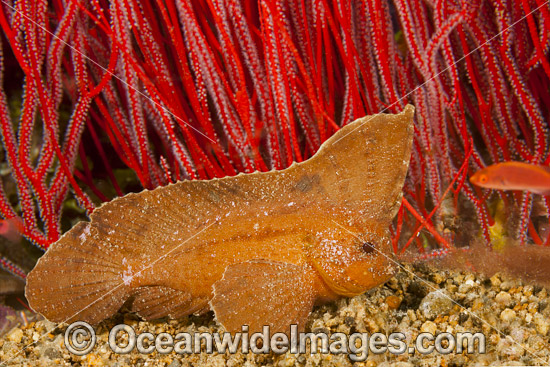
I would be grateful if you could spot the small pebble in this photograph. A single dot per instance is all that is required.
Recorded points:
(507, 315)
(393, 302)
(541, 324)
(436, 303)
(495, 280)
(438, 278)
(15, 335)
(504, 299)
(466, 286)
(429, 327)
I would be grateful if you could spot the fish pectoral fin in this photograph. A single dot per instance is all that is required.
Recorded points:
(153, 302)
(263, 292)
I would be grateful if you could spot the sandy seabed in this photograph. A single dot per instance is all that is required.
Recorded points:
(513, 316)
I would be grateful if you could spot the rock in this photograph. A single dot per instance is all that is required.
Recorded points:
(495, 280)
(438, 278)
(393, 302)
(541, 324)
(507, 285)
(15, 335)
(436, 303)
(504, 298)
(508, 347)
(528, 290)
(429, 327)
(403, 364)
(52, 353)
(466, 286)
(507, 315)
(533, 307)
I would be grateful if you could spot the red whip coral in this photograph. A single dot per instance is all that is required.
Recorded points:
(199, 89)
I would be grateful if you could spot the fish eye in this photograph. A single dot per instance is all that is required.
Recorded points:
(367, 247)
(483, 179)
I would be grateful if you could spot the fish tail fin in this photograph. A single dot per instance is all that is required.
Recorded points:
(83, 282)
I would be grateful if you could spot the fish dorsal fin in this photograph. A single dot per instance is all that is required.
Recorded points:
(263, 292)
(363, 166)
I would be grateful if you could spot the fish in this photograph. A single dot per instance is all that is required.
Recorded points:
(514, 176)
(258, 249)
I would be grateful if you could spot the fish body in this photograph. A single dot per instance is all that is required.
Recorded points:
(258, 249)
(514, 176)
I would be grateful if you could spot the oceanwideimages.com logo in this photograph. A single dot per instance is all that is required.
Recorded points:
(80, 339)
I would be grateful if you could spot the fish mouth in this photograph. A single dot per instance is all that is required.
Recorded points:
(347, 286)
(351, 289)
(474, 179)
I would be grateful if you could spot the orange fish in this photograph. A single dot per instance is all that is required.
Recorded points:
(514, 176)
(258, 249)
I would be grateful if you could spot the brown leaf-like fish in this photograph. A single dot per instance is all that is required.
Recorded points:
(259, 249)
